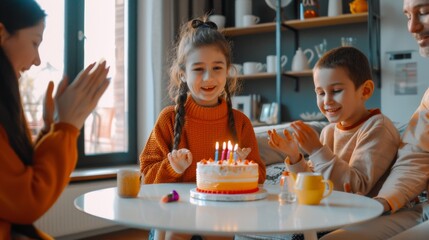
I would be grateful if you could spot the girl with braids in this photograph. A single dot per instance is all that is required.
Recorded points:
(186, 133)
(32, 176)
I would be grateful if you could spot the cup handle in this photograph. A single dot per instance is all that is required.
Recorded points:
(311, 54)
(284, 60)
(331, 186)
(233, 71)
(260, 67)
(257, 19)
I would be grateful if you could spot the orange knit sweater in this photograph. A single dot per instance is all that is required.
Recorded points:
(27, 192)
(203, 127)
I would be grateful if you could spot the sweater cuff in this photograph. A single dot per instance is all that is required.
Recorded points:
(395, 203)
(322, 155)
(300, 166)
(65, 126)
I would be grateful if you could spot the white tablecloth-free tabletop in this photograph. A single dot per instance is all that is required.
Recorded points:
(191, 215)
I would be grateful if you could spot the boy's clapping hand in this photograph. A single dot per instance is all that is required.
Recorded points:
(287, 144)
(180, 159)
(306, 136)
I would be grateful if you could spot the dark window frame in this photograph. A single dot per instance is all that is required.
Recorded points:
(74, 62)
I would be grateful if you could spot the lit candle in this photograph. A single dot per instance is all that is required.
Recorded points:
(216, 151)
(229, 149)
(230, 152)
(235, 152)
(223, 156)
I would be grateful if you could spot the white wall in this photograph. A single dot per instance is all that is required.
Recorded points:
(64, 221)
(394, 38)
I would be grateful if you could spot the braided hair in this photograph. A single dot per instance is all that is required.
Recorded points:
(198, 33)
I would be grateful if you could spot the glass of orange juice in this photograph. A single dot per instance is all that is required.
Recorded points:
(128, 182)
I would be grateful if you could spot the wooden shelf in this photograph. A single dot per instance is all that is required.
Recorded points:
(264, 75)
(258, 28)
(327, 21)
(257, 76)
(305, 73)
(298, 24)
(298, 75)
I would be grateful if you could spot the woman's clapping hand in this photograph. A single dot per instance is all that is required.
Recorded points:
(74, 102)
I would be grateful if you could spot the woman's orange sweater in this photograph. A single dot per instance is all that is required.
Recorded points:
(27, 192)
(204, 126)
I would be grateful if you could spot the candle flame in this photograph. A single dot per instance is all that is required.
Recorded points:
(236, 147)
(224, 145)
(230, 145)
(217, 145)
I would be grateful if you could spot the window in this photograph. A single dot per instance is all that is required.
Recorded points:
(33, 83)
(93, 30)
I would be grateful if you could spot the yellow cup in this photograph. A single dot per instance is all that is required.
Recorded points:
(128, 182)
(310, 188)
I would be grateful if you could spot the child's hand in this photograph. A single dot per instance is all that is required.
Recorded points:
(286, 145)
(180, 159)
(243, 153)
(307, 138)
(348, 189)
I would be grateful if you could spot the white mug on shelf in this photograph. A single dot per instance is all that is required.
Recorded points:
(249, 20)
(272, 63)
(242, 7)
(236, 69)
(219, 20)
(335, 8)
(252, 67)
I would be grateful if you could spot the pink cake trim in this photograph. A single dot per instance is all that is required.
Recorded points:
(228, 191)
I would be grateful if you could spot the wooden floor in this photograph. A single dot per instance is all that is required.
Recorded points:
(129, 234)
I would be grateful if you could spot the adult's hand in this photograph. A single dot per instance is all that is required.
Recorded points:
(48, 108)
(386, 206)
(74, 102)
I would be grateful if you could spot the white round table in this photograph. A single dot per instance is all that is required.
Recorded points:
(265, 216)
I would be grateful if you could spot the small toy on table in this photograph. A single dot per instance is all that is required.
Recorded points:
(173, 196)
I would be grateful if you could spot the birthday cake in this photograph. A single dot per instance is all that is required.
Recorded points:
(227, 177)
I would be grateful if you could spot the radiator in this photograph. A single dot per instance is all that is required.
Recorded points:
(64, 219)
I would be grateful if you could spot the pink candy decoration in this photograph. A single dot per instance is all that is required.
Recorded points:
(171, 197)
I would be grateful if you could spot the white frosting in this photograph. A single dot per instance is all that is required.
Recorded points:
(208, 179)
(223, 169)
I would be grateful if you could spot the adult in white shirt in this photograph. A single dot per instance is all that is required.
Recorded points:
(409, 176)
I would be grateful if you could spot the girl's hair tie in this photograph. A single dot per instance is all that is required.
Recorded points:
(200, 24)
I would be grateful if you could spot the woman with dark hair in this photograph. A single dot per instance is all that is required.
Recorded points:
(33, 175)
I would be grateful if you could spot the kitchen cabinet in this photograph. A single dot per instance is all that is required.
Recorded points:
(370, 18)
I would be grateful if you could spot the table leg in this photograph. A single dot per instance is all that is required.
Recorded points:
(310, 235)
(159, 235)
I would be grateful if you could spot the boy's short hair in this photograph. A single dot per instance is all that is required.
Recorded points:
(353, 61)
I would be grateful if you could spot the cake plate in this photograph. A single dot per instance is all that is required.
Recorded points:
(260, 194)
